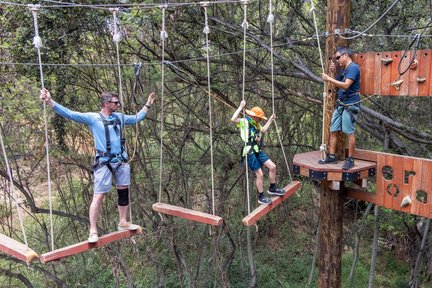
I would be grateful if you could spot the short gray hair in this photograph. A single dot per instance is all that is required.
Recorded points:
(345, 50)
(107, 96)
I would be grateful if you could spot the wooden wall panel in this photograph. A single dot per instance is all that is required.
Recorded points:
(376, 76)
(411, 177)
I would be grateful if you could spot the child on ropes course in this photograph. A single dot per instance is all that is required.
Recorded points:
(251, 132)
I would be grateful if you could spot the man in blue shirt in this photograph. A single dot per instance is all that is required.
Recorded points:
(348, 104)
(111, 157)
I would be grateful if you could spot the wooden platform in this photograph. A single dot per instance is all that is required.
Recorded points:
(84, 246)
(262, 210)
(187, 214)
(17, 249)
(306, 164)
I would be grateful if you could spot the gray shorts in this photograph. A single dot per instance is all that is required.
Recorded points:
(103, 177)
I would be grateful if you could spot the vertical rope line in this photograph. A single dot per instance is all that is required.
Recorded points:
(245, 25)
(323, 145)
(270, 20)
(12, 190)
(163, 36)
(117, 38)
(37, 42)
(206, 32)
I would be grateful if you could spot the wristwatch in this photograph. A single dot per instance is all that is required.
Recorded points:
(147, 106)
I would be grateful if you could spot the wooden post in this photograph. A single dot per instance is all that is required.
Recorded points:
(331, 201)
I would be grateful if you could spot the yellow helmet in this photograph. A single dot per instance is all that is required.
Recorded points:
(256, 112)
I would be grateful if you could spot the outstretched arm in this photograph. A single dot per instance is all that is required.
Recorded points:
(267, 125)
(235, 117)
(79, 117)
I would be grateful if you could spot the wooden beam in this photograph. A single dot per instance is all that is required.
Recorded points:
(84, 246)
(188, 214)
(17, 249)
(262, 210)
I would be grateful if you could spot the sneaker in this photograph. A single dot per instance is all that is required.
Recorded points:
(277, 192)
(348, 164)
(264, 200)
(128, 226)
(329, 160)
(93, 238)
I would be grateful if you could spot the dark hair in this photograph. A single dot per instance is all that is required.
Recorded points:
(345, 50)
(107, 96)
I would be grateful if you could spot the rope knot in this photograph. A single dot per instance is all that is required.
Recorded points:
(270, 18)
(163, 35)
(245, 24)
(206, 30)
(37, 42)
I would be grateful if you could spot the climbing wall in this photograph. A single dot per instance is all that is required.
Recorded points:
(381, 73)
(402, 183)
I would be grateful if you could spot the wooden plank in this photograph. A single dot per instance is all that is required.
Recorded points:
(17, 249)
(426, 184)
(394, 74)
(369, 78)
(366, 155)
(377, 74)
(361, 61)
(385, 74)
(85, 246)
(360, 195)
(262, 210)
(424, 69)
(404, 88)
(189, 214)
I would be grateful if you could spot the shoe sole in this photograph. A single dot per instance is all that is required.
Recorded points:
(275, 193)
(262, 203)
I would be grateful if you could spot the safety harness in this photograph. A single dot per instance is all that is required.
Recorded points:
(117, 127)
(254, 140)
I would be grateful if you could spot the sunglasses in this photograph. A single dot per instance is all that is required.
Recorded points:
(115, 102)
(338, 57)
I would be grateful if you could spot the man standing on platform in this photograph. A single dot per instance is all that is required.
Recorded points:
(111, 159)
(348, 104)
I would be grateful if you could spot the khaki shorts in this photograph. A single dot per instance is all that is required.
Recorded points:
(103, 177)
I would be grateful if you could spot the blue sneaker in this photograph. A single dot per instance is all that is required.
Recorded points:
(262, 199)
(277, 192)
(348, 164)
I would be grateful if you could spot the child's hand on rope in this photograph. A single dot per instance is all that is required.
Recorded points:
(272, 117)
(242, 104)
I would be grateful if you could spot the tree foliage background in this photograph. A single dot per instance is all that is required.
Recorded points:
(173, 252)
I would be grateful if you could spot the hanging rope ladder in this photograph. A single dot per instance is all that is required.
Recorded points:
(293, 186)
(169, 209)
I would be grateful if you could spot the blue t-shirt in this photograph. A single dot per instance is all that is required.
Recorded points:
(94, 122)
(350, 95)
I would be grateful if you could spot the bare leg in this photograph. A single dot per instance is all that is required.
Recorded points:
(351, 145)
(259, 180)
(272, 170)
(333, 142)
(94, 211)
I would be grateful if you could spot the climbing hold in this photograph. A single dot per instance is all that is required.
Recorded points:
(386, 61)
(406, 201)
(397, 84)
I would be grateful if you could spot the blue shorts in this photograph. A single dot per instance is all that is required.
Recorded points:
(344, 119)
(256, 160)
(103, 177)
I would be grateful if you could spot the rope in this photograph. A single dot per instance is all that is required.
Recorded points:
(373, 24)
(12, 190)
(206, 31)
(323, 147)
(117, 37)
(138, 5)
(245, 26)
(163, 36)
(37, 42)
(270, 20)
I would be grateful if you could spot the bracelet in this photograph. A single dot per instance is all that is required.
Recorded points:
(147, 106)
